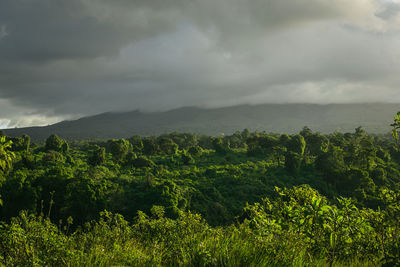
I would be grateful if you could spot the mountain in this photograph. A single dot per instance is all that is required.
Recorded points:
(288, 118)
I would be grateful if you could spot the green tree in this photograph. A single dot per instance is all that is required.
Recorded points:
(396, 129)
(20, 143)
(130, 158)
(53, 142)
(136, 142)
(284, 140)
(331, 164)
(27, 142)
(18, 194)
(316, 144)
(306, 132)
(293, 162)
(119, 148)
(279, 151)
(297, 144)
(6, 156)
(150, 146)
(220, 147)
(167, 145)
(98, 156)
(64, 147)
(337, 139)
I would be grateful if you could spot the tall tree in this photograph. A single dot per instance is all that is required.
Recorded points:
(6, 156)
(54, 143)
(396, 129)
(297, 144)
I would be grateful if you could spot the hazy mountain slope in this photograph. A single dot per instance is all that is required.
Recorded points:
(289, 118)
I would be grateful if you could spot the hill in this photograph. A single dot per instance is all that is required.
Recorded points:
(289, 118)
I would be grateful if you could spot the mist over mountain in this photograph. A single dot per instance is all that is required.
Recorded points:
(280, 118)
(63, 60)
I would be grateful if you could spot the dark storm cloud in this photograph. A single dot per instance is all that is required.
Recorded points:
(57, 29)
(61, 59)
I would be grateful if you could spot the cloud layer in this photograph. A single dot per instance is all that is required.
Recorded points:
(64, 59)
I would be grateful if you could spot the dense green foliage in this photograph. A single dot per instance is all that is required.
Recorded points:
(247, 199)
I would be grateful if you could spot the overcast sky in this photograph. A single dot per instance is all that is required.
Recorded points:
(65, 59)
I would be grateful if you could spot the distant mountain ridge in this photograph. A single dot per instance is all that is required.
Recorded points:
(280, 118)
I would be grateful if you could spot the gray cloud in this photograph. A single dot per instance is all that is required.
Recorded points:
(64, 59)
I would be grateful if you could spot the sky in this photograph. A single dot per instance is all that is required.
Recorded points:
(67, 59)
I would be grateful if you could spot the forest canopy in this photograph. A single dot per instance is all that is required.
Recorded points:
(250, 198)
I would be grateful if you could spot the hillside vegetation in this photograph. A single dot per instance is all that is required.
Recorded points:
(279, 118)
(246, 199)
